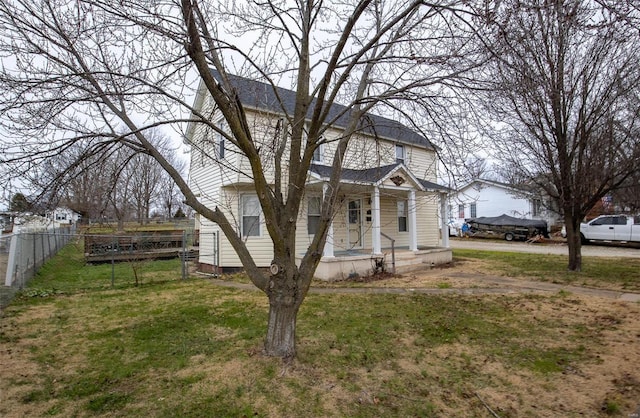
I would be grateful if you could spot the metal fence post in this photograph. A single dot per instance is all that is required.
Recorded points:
(184, 255)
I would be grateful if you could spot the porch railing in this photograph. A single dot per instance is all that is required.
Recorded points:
(393, 252)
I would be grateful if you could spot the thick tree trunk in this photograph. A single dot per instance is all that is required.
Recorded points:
(574, 243)
(281, 329)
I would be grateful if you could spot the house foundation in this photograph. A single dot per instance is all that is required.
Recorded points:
(345, 266)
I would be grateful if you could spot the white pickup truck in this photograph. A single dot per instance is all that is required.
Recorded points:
(621, 228)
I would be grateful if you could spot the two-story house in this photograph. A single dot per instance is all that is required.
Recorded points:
(389, 195)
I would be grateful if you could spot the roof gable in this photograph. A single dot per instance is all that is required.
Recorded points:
(376, 176)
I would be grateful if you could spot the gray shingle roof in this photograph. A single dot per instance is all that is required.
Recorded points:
(368, 175)
(371, 175)
(260, 95)
(431, 186)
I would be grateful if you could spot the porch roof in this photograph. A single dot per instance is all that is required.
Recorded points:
(374, 176)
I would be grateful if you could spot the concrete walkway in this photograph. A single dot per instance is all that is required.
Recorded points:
(505, 285)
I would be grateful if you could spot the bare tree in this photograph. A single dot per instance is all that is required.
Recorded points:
(148, 179)
(562, 90)
(85, 70)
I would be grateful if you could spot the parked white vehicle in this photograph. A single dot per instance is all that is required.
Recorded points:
(621, 228)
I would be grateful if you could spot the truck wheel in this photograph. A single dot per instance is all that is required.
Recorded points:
(583, 240)
(508, 236)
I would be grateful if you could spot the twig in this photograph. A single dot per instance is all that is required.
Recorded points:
(487, 406)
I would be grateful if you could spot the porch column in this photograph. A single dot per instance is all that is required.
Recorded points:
(328, 246)
(376, 248)
(413, 230)
(444, 224)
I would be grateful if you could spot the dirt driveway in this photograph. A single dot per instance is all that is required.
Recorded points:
(552, 248)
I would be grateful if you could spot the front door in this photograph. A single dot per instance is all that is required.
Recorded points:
(354, 227)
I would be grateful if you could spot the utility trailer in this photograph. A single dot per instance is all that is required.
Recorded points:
(507, 227)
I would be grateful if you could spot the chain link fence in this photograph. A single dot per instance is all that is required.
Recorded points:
(23, 253)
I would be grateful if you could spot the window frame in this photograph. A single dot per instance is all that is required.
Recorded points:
(402, 214)
(320, 153)
(221, 140)
(473, 210)
(461, 211)
(403, 153)
(315, 216)
(244, 198)
(536, 207)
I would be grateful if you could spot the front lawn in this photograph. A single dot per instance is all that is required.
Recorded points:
(169, 348)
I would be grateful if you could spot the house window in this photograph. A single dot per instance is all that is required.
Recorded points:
(474, 211)
(250, 216)
(317, 154)
(461, 211)
(400, 155)
(221, 140)
(536, 206)
(402, 216)
(313, 214)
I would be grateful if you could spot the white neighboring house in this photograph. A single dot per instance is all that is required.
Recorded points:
(63, 216)
(482, 197)
(389, 189)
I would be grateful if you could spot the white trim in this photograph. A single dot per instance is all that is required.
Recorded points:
(319, 214)
(444, 224)
(412, 222)
(243, 196)
(328, 246)
(375, 219)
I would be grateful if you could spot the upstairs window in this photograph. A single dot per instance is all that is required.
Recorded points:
(536, 207)
(461, 211)
(220, 139)
(317, 155)
(474, 210)
(400, 153)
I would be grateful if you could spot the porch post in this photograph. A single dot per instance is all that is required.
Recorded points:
(413, 230)
(328, 246)
(375, 219)
(444, 224)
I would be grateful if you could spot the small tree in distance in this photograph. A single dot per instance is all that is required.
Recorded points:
(19, 203)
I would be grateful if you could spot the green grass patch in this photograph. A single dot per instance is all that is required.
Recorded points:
(69, 273)
(188, 348)
(596, 271)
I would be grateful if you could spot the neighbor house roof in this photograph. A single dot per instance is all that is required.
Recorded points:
(492, 183)
(260, 95)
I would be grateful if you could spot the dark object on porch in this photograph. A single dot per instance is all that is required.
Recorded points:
(507, 227)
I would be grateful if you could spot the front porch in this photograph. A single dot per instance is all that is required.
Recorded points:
(348, 264)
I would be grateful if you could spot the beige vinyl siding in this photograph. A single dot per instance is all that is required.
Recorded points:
(423, 164)
(261, 247)
(389, 223)
(427, 220)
